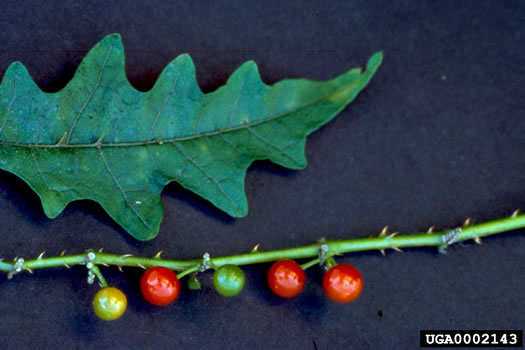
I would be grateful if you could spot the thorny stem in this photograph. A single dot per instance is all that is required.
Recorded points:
(441, 239)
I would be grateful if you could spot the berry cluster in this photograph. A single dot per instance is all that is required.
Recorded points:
(286, 278)
(342, 283)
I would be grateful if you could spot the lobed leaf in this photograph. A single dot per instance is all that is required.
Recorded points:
(101, 139)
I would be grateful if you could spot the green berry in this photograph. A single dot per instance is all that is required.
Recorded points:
(229, 280)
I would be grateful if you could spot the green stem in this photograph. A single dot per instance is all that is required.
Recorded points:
(187, 271)
(310, 263)
(381, 243)
(99, 275)
(329, 263)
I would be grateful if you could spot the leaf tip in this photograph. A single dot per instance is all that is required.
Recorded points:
(51, 204)
(16, 69)
(114, 38)
(148, 236)
(183, 61)
(184, 57)
(375, 61)
(247, 68)
(239, 212)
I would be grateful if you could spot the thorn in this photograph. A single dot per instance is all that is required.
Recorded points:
(256, 248)
(100, 250)
(157, 256)
(40, 256)
(28, 270)
(125, 256)
(99, 141)
(66, 265)
(100, 284)
(382, 252)
(467, 222)
(516, 213)
(142, 266)
(477, 240)
(62, 140)
(397, 249)
(431, 229)
(119, 268)
(383, 231)
(62, 253)
(16, 258)
(104, 264)
(392, 235)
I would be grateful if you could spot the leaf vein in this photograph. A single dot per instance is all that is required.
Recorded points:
(124, 194)
(170, 93)
(260, 138)
(39, 169)
(208, 176)
(9, 107)
(70, 132)
(234, 107)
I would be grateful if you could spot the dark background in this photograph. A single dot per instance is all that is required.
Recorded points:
(438, 136)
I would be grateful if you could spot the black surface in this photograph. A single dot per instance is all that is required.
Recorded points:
(438, 136)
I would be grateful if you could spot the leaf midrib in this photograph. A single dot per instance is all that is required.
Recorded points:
(99, 144)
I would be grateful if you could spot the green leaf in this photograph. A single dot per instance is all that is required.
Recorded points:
(101, 139)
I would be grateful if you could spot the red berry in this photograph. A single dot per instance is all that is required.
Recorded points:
(286, 278)
(159, 285)
(343, 283)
